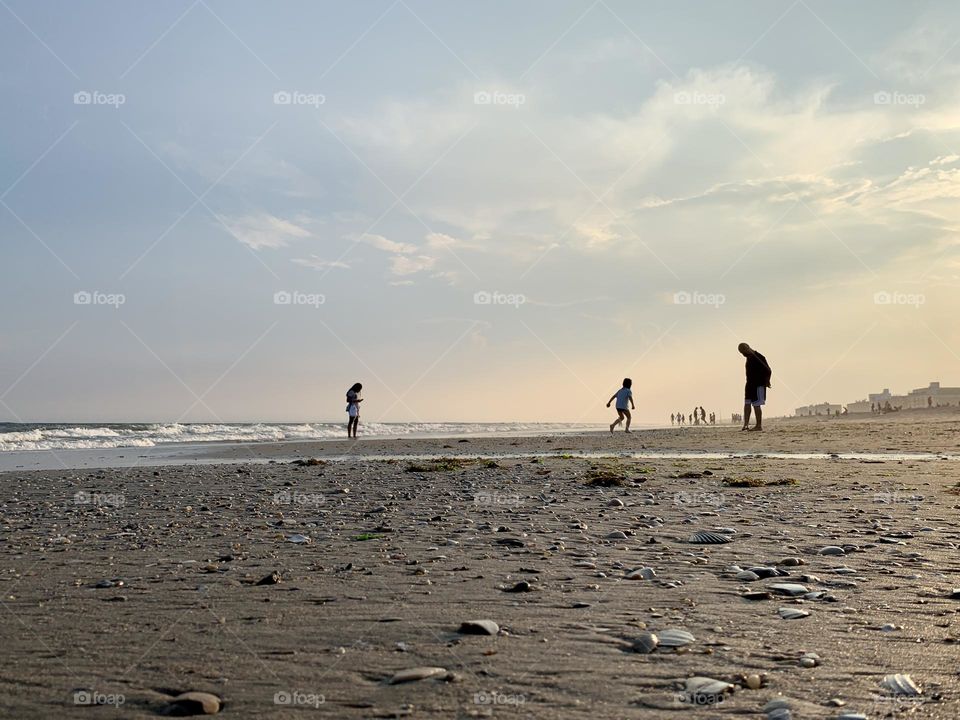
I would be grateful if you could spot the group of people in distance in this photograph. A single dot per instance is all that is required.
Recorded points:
(754, 396)
(697, 417)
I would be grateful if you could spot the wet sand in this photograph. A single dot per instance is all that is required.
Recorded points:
(144, 584)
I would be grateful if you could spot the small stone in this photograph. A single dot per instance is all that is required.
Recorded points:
(833, 550)
(616, 502)
(753, 682)
(792, 562)
(645, 643)
(479, 627)
(810, 660)
(521, 587)
(792, 613)
(194, 703)
(747, 576)
(756, 595)
(641, 574)
(617, 535)
(271, 579)
(417, 673)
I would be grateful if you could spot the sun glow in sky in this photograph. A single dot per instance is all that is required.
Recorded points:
(490, 211)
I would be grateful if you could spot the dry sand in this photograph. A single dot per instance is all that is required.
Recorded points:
(400, 553)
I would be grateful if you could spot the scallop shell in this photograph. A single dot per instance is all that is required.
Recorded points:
(707, 687)
(674, 637)
(901, 685)
(708, 538)
(792, 613)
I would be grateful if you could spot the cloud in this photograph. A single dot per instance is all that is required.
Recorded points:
(390, 246)
(319, 263)
(264, 231)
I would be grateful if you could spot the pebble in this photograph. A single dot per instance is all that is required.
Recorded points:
(616, 502)
(271, 579)
(833, 550)
(521, 587)
(194, 703)
(747, 576)
(479, 627)
(810, 660)
(645, 643)
(417, 673)
(645, 573)
(617, 535)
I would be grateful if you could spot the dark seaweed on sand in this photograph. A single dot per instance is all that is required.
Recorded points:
(757, 482)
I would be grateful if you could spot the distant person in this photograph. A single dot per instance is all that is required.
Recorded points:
(929, 401)
(703, 415)
(623, 396)
(672, 418)
(755, 391)
(353, 409)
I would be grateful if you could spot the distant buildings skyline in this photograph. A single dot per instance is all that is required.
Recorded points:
(931, 396)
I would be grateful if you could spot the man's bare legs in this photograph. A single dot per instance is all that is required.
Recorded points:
(746, 418)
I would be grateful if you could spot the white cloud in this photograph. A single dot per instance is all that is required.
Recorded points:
(264, 231)
(318, 263)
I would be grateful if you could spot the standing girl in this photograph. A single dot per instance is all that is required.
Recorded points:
(353, 409)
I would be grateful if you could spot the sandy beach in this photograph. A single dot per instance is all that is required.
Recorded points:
(301, 589)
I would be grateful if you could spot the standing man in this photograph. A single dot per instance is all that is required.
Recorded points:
(755, 392)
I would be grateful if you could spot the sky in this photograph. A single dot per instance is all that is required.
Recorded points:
(226, 211)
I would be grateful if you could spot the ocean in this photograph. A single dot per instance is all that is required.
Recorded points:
(24, 437)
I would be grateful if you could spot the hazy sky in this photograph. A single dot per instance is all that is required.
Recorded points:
(791, 169)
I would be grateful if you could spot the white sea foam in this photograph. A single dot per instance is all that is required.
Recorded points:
(65, 437)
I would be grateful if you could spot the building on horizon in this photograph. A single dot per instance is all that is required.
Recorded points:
(934, 395)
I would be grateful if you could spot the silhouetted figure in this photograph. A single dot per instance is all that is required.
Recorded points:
(672, 416)
(353, 409)
(755, 391)
(623, 396)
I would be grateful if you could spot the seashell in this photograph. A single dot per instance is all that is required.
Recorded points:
(674, 637)
(708, 538)
(767, 572)
(705, 688)
(645, 643)
(833, 550)
(479, 627)
(901, 685)
(793, 589)
(792, 613)
(641, 574)
(414, 674)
